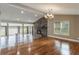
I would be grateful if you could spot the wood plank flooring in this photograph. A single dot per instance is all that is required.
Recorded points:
(44, 46)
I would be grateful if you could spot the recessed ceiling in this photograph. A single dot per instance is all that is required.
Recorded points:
(11, 12)
(31, 12)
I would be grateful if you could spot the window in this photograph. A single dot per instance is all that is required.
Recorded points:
(61, 27)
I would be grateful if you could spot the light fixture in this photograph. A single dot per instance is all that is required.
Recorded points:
(36, 15)
(49, 14)
(22, 12)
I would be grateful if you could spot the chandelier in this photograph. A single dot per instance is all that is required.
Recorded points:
(49, 15)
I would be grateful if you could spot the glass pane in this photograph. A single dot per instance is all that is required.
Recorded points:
(30, 29)
(3, 24)
(28, 33)
(15, 24)
(65, 28)
(25, 33)
(20, 38)
(20, 35)
(2, 37)
(12, 40)
(20, 29)
(57, 27)
(2, 31)
(25, 29)
(13, 31)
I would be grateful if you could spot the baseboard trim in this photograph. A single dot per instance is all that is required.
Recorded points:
(73, 40)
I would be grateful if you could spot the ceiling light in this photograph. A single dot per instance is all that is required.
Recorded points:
(49, 15)
(36, 15)
(22, 12)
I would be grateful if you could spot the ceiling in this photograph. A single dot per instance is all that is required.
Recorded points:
(16, 13)
(31, 12)
(58, 8)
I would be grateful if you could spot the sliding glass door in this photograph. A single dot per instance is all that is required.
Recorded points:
(12, 40)
(14, 33)
(3, 35)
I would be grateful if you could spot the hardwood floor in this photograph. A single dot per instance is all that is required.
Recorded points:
(44, 46)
